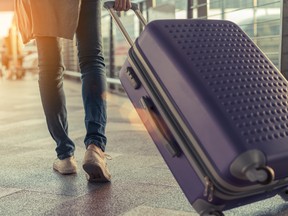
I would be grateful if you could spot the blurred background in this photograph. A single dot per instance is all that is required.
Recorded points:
(262, 20)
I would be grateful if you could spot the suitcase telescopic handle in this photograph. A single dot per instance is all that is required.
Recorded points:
(109, 5)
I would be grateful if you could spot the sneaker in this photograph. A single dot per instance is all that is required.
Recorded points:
(95, 165)
(66, 166)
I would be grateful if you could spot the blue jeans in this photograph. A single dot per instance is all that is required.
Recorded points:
(93, 77)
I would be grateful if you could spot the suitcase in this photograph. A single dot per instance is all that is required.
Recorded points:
(215, 106)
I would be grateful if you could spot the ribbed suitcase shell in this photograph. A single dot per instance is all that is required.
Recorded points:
(225, 91)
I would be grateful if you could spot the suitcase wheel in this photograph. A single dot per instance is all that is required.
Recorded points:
(213, 213)
(284, 194)
(217, 213)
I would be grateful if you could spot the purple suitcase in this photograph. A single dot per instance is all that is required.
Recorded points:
(216, 108)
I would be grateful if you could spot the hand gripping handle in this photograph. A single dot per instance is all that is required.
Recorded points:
(109, 5)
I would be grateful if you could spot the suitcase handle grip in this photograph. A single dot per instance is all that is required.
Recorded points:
(159, 128)
(109, 6)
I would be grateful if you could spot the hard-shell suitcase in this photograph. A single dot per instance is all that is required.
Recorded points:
(214, 105)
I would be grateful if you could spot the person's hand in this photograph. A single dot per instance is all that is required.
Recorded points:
(122, 5)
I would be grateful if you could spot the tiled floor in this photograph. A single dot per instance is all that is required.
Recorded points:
(141, 185)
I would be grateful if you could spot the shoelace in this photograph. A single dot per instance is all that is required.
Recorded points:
(108, 157)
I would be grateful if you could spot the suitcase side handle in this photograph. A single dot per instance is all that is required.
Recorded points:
(109, 6)
(159, 128)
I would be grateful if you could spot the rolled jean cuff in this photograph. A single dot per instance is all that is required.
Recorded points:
(96, 143)
(64, 156)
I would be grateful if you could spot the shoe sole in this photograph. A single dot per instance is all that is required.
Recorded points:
(66, 172)
(95, 173)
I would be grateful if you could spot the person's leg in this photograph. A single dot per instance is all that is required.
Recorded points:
(93, 76)
(52, 94)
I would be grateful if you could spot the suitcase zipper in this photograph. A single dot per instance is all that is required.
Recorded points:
(209, 189)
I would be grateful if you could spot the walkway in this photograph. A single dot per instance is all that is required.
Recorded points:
(142, 183)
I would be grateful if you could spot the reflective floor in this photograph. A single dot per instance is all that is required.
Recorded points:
(141, 184)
